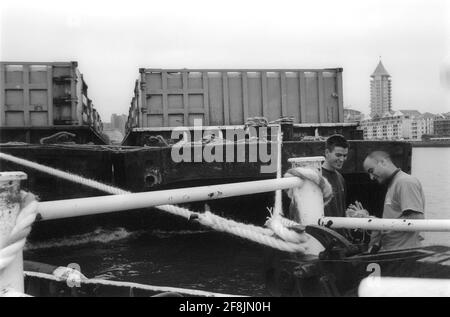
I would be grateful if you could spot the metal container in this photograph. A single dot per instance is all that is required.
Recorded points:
(176, 97)
(36, 94)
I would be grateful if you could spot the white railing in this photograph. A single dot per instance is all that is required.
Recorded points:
(309, 200)
(403, 287)
(436, 225)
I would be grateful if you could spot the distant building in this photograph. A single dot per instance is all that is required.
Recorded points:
(398, 125)
(426, 123)
(118, 122)
(390, 126)
(351, 115)
(442, 125)
(380, 92)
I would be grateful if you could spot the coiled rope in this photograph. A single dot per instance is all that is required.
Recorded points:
(17, 237)
(263, 236)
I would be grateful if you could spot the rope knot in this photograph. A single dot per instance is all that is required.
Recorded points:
(313, 176)
(282, 230)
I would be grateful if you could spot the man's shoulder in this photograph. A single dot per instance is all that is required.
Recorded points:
(407, 183)
(405, 178)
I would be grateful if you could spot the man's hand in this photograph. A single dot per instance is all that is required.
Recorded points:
(357, 210)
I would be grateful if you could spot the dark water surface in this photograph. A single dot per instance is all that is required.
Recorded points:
(209, 260)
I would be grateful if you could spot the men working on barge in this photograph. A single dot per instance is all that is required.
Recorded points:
(404, 199)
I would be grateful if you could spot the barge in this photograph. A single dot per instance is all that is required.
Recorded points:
(305, 104)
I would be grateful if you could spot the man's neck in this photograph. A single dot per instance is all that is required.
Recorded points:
(391, 177)
(327, 166)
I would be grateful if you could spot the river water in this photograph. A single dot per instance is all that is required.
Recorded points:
(209, 260)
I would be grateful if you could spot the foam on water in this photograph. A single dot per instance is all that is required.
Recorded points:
(99, 235)
(103, 236)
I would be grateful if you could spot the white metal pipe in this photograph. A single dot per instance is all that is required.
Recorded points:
(11, 277)
(403, 287)
(278, 194)
(440, 225)
(103, 204)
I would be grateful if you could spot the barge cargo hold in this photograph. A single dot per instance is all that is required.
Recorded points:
(38, 99)
(177, 97)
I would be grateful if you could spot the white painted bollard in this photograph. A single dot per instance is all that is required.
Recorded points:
(311, 210)
(309, 198)
(11, 277)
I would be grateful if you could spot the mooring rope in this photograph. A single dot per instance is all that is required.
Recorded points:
(130, 285)
(64, 175)
(17, 237)
(263, 236)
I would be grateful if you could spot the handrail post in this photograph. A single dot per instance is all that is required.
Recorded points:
(11, 277)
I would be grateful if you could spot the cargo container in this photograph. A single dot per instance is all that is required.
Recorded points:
(176, 97)
(43, 97)
(44, 94)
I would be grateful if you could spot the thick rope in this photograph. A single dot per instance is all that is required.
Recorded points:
(17, 237)
(313, 176)
(153, 288)
(64, 175)
(261, 235)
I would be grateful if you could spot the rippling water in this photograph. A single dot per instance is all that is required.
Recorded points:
(209, 260)
(206, 260)
(432, 167)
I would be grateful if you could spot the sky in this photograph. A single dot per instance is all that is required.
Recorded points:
(111, 40)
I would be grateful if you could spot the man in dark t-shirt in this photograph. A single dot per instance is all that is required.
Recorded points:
(335, 155)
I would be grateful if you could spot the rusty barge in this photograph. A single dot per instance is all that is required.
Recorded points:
(305, 104)
(308, 101)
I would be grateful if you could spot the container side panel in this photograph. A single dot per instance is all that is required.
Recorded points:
(38, 118)
(154, 81)
(195, 80)
(175, 101)
(254, 95)
(293, 98)
(38, 77)
(15, 118)
(215, 99)
(61, 71)
(155, 120)
(39, 99)
(235, 99)
(14, 76)
(174, 81)
(195, 102)
(63, 114)
(312, 99)
(330, 102)
(273, 96)
(195, 116)
(154, 104)
(176, 120)
(14, 99)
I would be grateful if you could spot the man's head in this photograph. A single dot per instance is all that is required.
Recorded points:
(336, 151)
(379, 166)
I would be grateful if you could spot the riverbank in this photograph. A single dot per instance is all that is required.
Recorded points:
(445, 143)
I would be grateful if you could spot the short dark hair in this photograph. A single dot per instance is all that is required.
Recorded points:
(336, 140)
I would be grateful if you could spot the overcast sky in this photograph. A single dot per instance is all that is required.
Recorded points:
(112, 40)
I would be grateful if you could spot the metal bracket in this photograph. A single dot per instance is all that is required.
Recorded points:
(336, 246)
